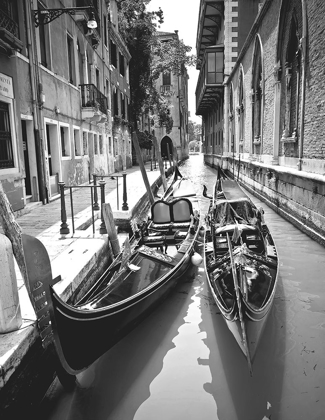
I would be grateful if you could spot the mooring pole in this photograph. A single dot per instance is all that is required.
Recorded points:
(95, 205)
(125, 196)
(102, 228)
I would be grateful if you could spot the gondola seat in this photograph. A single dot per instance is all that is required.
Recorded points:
(171, 216)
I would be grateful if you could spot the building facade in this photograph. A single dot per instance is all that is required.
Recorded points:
(57, 121)
(176, 89)
(273, 110)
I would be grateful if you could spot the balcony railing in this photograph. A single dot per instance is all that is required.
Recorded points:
(210, 82)
(165, 88)
(7, 23)
(92, 97)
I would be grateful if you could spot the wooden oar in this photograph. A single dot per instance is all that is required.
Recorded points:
(238, 298)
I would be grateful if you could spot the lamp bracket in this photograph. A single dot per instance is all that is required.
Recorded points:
(44, 16)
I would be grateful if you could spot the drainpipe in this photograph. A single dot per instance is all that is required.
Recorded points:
(303, 42)
(34, 79)
(179, 104)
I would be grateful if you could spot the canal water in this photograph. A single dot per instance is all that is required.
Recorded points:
(182, 362)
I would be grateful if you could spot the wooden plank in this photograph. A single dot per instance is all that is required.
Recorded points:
(160, 162)
(13, 231)
(111, 229)
(142, 167)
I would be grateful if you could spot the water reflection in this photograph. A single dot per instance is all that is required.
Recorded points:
(182, 363)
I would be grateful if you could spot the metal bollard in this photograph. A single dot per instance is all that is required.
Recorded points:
(125, 197)
(95, 205)
(64, 230)
(102, 228)
(10, 315)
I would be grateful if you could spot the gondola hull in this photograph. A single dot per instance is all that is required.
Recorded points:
(149, 267)
(241, 265)
(83, 336)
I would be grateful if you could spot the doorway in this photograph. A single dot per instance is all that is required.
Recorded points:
(167, 148)
(30, 163)
(53, 158)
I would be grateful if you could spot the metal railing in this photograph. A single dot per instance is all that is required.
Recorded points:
(92, 97)
(112, 176)
(64, 228)
(6, 20)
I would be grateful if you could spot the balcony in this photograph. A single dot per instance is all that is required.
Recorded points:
(210, 83)
(94, 104)
(9, 33)
(211, 16)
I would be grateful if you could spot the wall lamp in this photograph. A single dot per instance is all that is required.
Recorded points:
(44, 16)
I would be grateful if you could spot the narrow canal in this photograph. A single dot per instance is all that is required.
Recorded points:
(182, 362)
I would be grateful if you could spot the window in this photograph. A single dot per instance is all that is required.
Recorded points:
(65, 145)
(77, 142)
(89, 69)
(110, 151)
(115, 146)
(80, 64)
(96, 144)
(167, 78)
(122, 68)
(105, 30)
(101, 146)
(44, 42)
(6, 153)
(215, 67)
(126, 106)
(257, 93)
(71, 69)
(97, 79)
(115, 103)
(106, 88)
(241, 108)
(91, 150)
(122, 106)
(85, 142)
(113, 55)
(292, 83)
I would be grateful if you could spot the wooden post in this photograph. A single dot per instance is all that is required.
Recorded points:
(142, 167)
(160, 162)
(102, 228)
(13, 231)
(111, 229)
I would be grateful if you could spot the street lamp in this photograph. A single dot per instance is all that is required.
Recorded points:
(44, 16)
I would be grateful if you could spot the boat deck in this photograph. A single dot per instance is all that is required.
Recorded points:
(232, 190)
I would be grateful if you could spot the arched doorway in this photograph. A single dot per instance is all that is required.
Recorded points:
(166, 144)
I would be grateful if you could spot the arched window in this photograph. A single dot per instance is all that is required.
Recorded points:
(257, 95)
(231, 120)
(292, 82)
(240, 110)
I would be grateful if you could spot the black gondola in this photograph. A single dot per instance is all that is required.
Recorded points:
(148, 268)
(241, 264)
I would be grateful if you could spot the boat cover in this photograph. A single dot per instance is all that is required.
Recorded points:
(231, 212)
